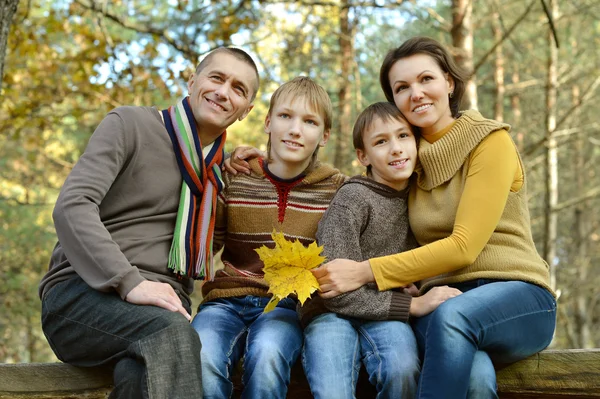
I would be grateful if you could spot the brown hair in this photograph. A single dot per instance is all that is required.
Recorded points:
(381, 110)
(237, 53)
(432, 48)
(318, 99)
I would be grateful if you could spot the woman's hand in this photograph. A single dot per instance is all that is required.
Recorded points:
(342, 275)
(423, 305)
(237, 162)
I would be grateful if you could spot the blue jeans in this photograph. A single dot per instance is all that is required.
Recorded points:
(491, 322)
(232, 328)
(154, 352)
(334, 347)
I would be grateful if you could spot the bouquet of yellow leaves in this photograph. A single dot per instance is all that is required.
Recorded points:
(287, 269)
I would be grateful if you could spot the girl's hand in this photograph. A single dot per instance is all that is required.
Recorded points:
(342, 275)
(423, 305)
(238, 160)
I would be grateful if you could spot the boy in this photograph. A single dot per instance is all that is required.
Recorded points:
(288, 191)
(368, 217)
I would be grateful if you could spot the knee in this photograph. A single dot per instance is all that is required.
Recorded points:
(482, 381)
(447, 318)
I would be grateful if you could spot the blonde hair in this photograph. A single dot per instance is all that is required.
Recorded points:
(318, 99)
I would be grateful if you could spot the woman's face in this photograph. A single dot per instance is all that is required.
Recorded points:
(421, 90)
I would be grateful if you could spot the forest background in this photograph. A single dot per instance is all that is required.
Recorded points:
(535, 65)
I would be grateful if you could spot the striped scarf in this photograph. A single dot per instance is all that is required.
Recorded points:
(191, 250)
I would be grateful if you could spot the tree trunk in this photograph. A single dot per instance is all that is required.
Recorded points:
(550, 216)
(344, 104)
(462, 40)
(515, 103)
(499, 70)
(7, 11)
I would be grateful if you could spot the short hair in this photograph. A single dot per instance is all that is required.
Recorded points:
(237, 53)
(432, 48)
(383, 110)
(315, 96)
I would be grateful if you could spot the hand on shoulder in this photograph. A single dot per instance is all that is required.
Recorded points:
(237, 162)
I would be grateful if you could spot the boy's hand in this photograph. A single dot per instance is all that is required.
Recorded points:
(238, 160)
(411, 290)
(423, 305)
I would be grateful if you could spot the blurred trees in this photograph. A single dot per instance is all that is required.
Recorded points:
(70, 61)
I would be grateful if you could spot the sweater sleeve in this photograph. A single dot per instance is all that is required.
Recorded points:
(88, 245)
(339, 232)
(493, 171)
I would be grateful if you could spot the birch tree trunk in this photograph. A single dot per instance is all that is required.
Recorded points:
(515, 104)
(462, 40)
(498, 70)
(7, 11)
(551, 200)
(344, 105)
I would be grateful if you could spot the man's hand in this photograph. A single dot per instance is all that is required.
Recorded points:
(342, 275)
(157, 294)
(238, 160)
(423, 305)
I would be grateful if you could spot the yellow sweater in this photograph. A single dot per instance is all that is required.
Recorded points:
(468, 210)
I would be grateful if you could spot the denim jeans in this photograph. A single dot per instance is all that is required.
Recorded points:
(334, 347)
(155, 352)
(492, 322)
(232, 328)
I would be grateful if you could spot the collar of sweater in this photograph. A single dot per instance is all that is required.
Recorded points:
(319, 172)
(439, 161)
(378, 188)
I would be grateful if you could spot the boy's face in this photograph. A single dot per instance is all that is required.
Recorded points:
(296, 130)
(391, 150)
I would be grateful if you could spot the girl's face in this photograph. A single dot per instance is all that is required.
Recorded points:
(421, 91)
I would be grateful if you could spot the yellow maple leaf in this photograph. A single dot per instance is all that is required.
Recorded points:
(287, 268)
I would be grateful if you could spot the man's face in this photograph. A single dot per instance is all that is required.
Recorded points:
(220, 94)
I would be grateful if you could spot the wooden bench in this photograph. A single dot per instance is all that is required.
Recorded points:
(567, 374)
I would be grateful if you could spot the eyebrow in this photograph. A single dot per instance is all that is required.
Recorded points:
(419, 75)
(399, 130)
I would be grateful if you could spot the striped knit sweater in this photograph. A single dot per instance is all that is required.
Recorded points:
(250, 207)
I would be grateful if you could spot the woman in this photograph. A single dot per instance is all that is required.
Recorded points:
(468, 210)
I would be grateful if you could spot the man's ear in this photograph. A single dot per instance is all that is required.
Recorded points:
(362, 158)
(191, 82)
(325, 138)
(246, 112)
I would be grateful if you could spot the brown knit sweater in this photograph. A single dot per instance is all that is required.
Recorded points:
(250, 207)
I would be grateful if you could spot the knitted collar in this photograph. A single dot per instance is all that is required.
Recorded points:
(439, 161)
(379, 188)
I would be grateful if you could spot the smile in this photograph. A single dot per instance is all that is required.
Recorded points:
(398, 163)
(215, 105)
(292, 144)
(421, 108)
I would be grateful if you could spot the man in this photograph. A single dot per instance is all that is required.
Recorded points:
(134, 221)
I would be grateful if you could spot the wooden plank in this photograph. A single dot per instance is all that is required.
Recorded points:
(563, 373)
(53, 379)
(551, 374)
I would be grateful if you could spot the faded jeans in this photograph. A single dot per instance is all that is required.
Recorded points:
(232, 328)
(155, 352)
(335, 346)
(491, 322)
